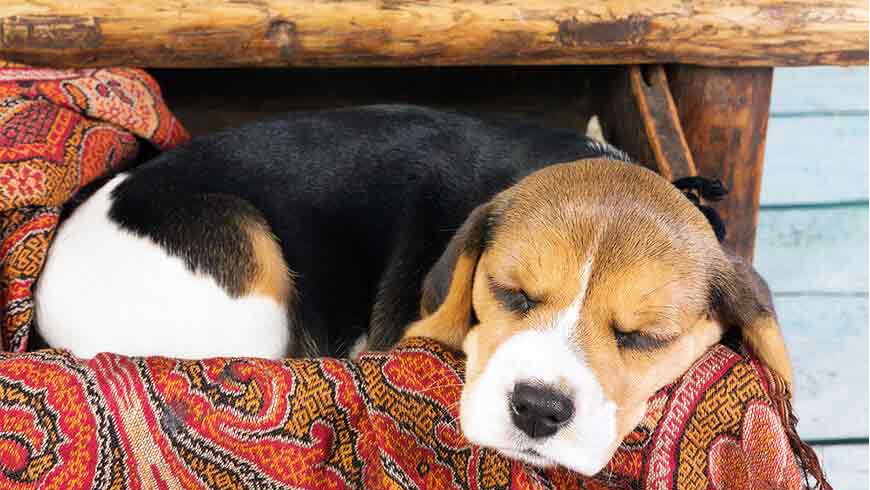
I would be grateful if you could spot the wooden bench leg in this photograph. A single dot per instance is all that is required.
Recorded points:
(638, 115)
(724, 114)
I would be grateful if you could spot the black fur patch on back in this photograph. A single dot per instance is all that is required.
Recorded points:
(207, 231)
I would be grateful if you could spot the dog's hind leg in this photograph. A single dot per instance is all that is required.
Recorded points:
(165, 273)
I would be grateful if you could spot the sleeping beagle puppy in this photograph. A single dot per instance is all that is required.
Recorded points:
(576, 294)
(295, 236)
(577, 283)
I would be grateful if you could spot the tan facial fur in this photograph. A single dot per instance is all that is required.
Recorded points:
(597, 247)
(648, 275)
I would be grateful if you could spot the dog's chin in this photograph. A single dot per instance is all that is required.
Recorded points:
(587, 465)
(529, 456)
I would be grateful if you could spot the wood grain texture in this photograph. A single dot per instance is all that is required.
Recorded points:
(638, 115)
(724, 114)
(621, 119)
(661, 123)
(224, 33)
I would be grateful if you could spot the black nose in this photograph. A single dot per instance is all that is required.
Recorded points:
(539, 411)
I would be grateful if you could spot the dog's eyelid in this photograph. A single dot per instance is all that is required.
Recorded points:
(660, 337)
(499, 286)
(496, 283)
(640, 340)
(512, 298)
(618, 328)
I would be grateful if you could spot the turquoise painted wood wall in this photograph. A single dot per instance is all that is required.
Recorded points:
(812, 247)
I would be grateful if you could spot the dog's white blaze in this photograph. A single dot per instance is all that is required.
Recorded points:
(548, 356)
(567, 319)
(104, 289)
(585, 274)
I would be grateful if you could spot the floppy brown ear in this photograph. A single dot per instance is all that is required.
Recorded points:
(445, 309)
(742, 299)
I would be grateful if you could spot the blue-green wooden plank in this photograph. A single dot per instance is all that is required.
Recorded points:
(822, 250)
(816, 159)
(819, 89)
(827, 339)
(845, 466)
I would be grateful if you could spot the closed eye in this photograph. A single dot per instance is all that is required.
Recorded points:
(638, 341)
(515, 300)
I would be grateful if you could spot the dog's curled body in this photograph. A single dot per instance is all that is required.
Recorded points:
(288, 237)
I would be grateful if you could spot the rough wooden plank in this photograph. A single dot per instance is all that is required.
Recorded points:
(846, 466)
(210, 33)
(637, 114)
(724, 113)
(821, 159)
(827, 339)
(819, 89)
(621, 118)
(814, 250)
(664, 131)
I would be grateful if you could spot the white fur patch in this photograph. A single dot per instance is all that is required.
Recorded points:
(359, 346)
(104, 289)
(546, 356)
(566, 321)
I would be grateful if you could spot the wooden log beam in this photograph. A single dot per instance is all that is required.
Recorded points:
(280, 33)
(724, 115)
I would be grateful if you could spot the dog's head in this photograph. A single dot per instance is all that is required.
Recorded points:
(576, 294)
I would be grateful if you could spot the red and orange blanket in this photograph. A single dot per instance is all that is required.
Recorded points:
(387, 420)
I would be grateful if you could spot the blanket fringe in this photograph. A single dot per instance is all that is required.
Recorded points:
(780, 396)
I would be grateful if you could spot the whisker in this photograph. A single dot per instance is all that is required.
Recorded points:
(508, 253)
(440, 386)
(454, 421)
(652, 291)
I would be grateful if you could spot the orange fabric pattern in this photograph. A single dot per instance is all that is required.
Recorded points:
(385, 421)
(59, 130)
